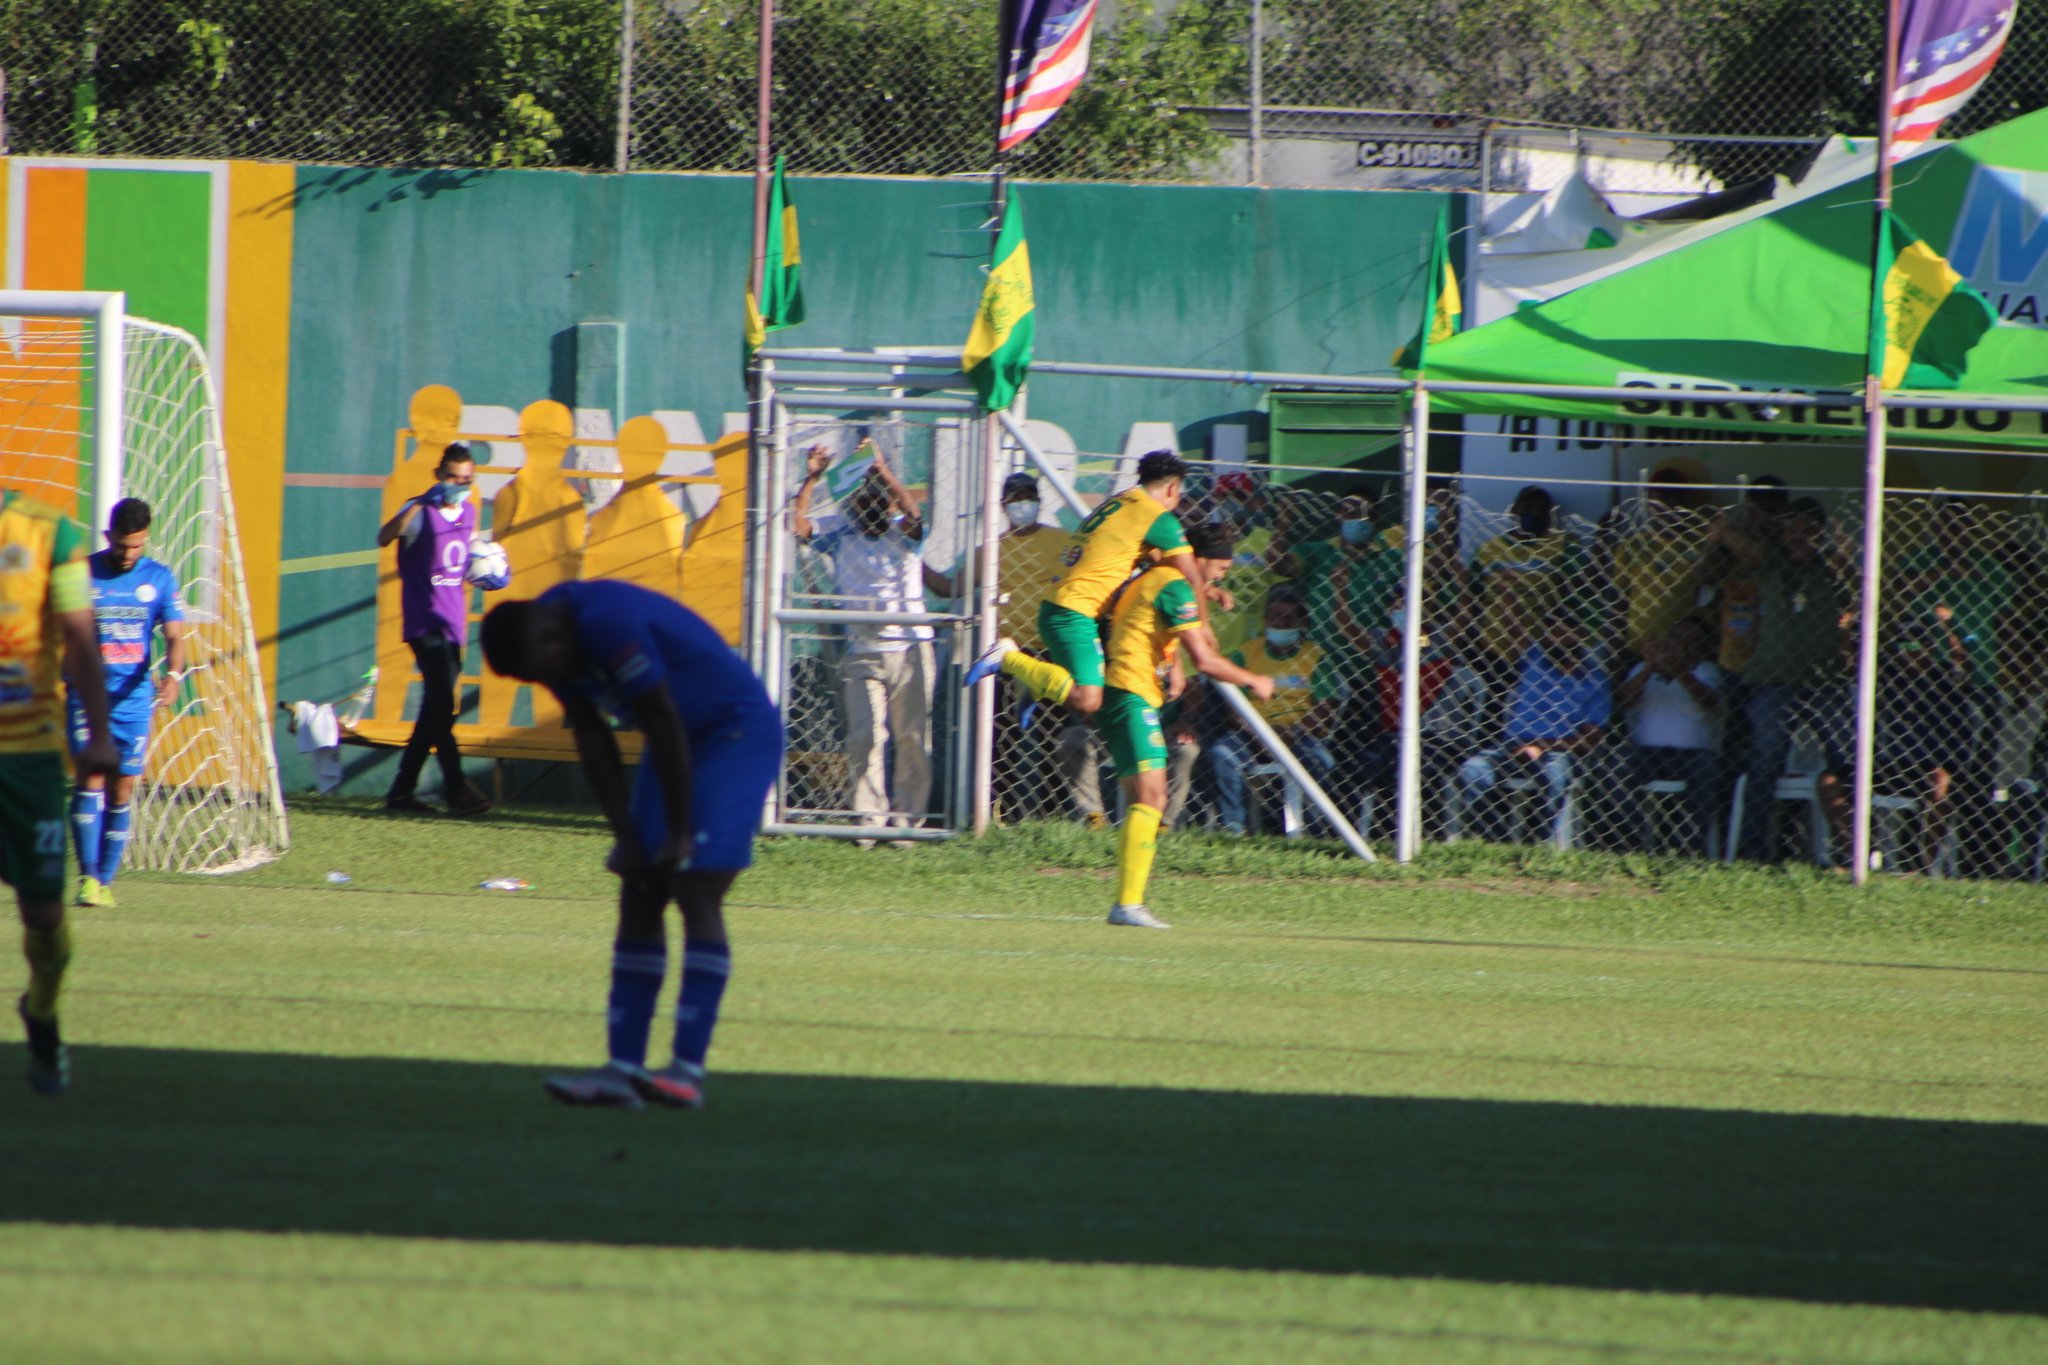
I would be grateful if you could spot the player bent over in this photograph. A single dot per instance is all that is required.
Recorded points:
(713, 748)
(133, 597)
(45, 610)
(1098, 561)
(1156, 613)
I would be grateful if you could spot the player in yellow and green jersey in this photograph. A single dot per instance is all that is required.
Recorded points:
(1114, 540)
(1156, 614)
(47, 630)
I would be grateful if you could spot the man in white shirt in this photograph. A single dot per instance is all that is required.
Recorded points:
(886, 675)
(1674, 702)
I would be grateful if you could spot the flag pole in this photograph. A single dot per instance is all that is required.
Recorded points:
(760, 391)
(1873, 465)
(986, 568)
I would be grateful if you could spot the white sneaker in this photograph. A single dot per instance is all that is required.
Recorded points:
(611, 1085)
(991, 661)
(1136, 916)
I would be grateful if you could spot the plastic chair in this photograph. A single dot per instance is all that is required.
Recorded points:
(1647, 812)
(1564, 836)
(1800, 782)
(1886, 815)
(1292, 822)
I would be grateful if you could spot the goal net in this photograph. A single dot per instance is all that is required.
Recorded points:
(209, 799)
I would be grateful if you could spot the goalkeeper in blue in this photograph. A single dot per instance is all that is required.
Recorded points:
(683, 827)
(133, 598)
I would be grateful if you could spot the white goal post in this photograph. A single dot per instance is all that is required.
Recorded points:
(96, 406)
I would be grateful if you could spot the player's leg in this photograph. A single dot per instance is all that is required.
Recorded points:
(1130, 727)
(639, 962)
(131, 738)
(1070, 674)
(88, 815)
(32, 810)
(731, 773)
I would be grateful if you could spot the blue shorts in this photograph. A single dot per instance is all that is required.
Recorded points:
(732, 770)
(129, 730)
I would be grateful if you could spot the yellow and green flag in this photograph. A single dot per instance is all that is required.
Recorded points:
(998, 352)
(1924, 317)
(781, 303)
(1443, 306)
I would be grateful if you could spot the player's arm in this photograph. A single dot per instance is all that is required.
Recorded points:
(174, 663)
(815, 461)
(1184, 560)
(71, 597)
(913, 517)
(599, 750)
(401, 523)
(667, 747)
(1201, 648)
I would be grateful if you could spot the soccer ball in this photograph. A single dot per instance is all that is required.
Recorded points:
(490, 568)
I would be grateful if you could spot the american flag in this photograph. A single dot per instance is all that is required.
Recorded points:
(1946, 49)
(1045, 56)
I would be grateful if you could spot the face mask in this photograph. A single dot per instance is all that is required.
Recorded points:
(1283, 639)
(1430, 517)
(1355, 530)
(1398, 619)
(447, 494)
(1021, 513)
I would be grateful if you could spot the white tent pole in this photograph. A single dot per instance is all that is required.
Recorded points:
(1408, 797)
(1277, 749)
(1045, 469)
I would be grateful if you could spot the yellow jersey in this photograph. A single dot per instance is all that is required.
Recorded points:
(1299, 680)
(1148, 622)
(1026, 569)
(1100, 555)
(43, 572)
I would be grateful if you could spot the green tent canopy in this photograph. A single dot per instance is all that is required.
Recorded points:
(1781, 302)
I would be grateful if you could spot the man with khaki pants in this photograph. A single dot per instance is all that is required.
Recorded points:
(886, 675)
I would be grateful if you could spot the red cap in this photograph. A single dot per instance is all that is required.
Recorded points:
(1234, 483)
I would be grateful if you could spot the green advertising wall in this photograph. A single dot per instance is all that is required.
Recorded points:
(476, 279)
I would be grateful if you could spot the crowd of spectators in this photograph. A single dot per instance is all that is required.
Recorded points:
(1662, 678)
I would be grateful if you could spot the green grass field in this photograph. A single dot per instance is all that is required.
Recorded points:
(1517, 1106)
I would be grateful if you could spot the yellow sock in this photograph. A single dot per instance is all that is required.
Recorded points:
(1045, 681)
(1135, 852)
(48, 952)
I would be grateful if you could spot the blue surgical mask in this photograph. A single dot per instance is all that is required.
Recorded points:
(1355, 530)
(453, 494)
(1283, 639)
(1021, 514)
(1398, 619)
(1431, 515)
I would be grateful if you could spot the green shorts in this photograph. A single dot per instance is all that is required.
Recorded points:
(1072, 641)
(1129, 725)
(35, 794)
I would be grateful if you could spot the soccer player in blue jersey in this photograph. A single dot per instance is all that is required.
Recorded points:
(712, 748)
(133, 597)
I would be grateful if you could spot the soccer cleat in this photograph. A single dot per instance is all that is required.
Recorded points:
(103, 896)
(88, 892)
(991, 661)
(49, 1064)
(408, 805)
(677, 1085)
(469, 803)
(609, 1086)
(1135, 916)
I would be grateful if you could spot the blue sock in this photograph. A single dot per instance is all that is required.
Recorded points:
(114, 842)
(706, 966)
(637, 970)
(88, 815)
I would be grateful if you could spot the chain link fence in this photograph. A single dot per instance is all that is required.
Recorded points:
(1498, 95)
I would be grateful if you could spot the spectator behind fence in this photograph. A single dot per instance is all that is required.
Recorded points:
(1736, 543)
(1557, 712)
(1307, 692)
(2023, 670)
(1345, 577)
(1028, 563)
(1520, 579)
(1922, 742)
(1452, 699)
(1674, 702)
(1080, 754)
(1656, 564)
(886, 675)
(1790, 621)
(1242, 505)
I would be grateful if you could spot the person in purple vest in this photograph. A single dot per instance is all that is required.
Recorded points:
(433, 532)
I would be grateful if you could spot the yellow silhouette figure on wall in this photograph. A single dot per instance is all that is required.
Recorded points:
(539, 520)
(637, 537)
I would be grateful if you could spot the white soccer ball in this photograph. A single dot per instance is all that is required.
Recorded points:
(490, 568)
